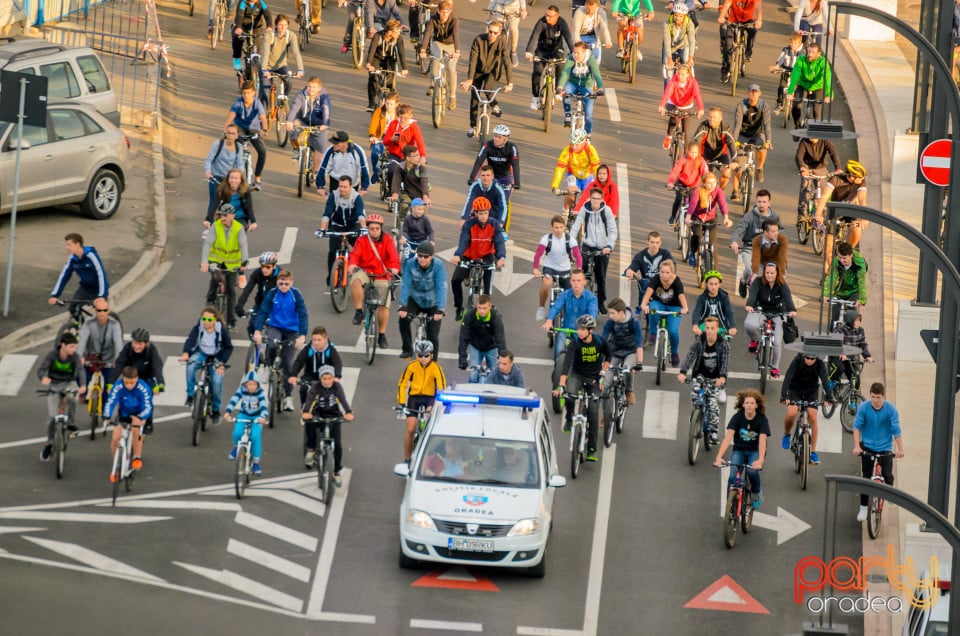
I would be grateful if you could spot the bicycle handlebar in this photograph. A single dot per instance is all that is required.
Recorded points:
(335, 233)
(549, 60)
(680, 114)
(725, 464)
(482, 92)
(62, 391)
(477, 263)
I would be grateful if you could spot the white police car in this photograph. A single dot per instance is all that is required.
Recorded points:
(929, 609)
(480, 485)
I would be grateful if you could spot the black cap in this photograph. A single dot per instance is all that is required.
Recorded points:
(425, 249)
(339, 137)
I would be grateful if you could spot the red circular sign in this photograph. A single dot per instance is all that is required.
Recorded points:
(935, 162)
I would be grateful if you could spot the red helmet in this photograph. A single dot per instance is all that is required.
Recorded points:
(374, 218)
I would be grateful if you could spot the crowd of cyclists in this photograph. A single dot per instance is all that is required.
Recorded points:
(400, 263)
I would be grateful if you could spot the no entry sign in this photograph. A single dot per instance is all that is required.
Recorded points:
(935, 162)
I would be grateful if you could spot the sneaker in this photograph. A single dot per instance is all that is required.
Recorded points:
(288, 404)
(567, 425)
(666, 142)
(406, 354)
(308, 458)
(471, 133)
(566, 120)
(236, 64)
(785, 442)
(639, 55)
(747, 57)
(460, 312)
(382, 341)
(862, 513)
(189, 401)
(136, 464)
(72, 428)
(232, 327)
(759, 175)
(752, 347)
(602, 309)
(296, 155)
(734, 196)
(258, 185)
(535, 104)
(778, 110)
(256, 469)
(725, 78)
(631, 397)
(514, 59)
(46, 453)
(592, 455)
(814, 458)
(358, 316)
(369, 109)
(674, 360)
(774, 373)
(714, 437)
(209, 32)
(233, 454)
(742, 288)
(722, 396)
(541, 314)
(148, 427)
(452, 103)
(344, 49)
(757, 498)
(215, 418)
(337, 480)
(496, 111)
(620, 54)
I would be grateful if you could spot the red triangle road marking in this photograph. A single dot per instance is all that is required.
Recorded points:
(456, 578)
(726, 595)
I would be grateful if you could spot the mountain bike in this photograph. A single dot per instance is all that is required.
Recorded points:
(96, 387)
(765, 347)
(680, 227)
(63, 426)
(485, 99)
(678, 140)
(203, 398)
(338, 275)
(438, 83)
(800, 442)
(875, 503)
(372, 301)
(662, 340)
(475, 285)
(705, 257)
(383, 174)
(250, 57)
(704, 418)
(812, 184)
(556, 401)
(548, 89)
(820, 231)
(385, 81)
(221, 12)
(243, 471)
(631, 47)
(808, 108)
(323, 459)
(220, 296)
(121, 469)
(422, 415)
(303, 24)
(615, 403)
(305, 157)
(578, 117)
(738, 512)
(278, 105)
(424, 14)
(358, 34)
(579, 428)
(737, 53)
(276, 384)
(244, 142)
(746, 174)
(782, 96)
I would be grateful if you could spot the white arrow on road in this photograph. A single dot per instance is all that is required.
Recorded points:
(505, 280)
(786, 525)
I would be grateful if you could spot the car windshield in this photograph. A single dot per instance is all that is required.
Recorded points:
(481, 461)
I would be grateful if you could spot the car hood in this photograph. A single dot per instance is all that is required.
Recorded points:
(484, 504)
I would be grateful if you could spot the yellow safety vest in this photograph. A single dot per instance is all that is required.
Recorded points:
(226, 249)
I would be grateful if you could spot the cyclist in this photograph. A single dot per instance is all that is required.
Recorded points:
(318, 354)
(226, 246)
(689, 170)
(423, 289)
(309, 107)
(707, 361)
(417, 228)
(646, 264)
(625, 11)
(575, 301)
(600, 235)
(508, 372)
(344, 212)
(410, 181)
(207, 339)
(236, 192)
(143, 354)
(101, 339)
(60, 370)
(263, 279)
(250, 403)
(714, 302)
(784, 65)
(248, 113)
(374, 258)
(748, 431)
(679, 39)
(802, 382)
(691, 8)
(876, 424)
(282, 49)
(587, 359)
(253, 18)
(590, 27)
(811, 16)
(489, 61)
(717, 145)
(376, 14)
(132, 402)
(482, 337)
(502, 156)
(86, 263)
(550, 34)
(576, 166)
(811, 158)
(386, 53)
(702, 207)
(225, 155)
(282, 317)
(768, 295)
(681, 93)
(624, 336)
(379, 120)
(316, 12)
(749, 227)
(418, 386)
(402, 132)
(751, 125)
(770, 246)
(846, 280)
(481, 238)
(326, 399)
(342, 158)
(443, 36)
(580, 75)
(611, 194)
(549, 262)
(853, 335)
(665, 293)
(810, 78)
(485, 187)
(512, 11)
(748, 13)
(849, 187)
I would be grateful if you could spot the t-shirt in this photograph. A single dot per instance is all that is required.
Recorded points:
(843, 190)
(557, 258)
(709, 364)
(669, 296)
(746, 433)
(248, 118)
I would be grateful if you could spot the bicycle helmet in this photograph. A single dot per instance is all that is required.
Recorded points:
(481, 203)
(375, 218)
(713, 274)
(326, 370)
(586, 321)
(680, 9)
(268, 258)
(140, 335)
(501, 129)
(578, 136)
(226, 208)
(856, 169)
(423, 348)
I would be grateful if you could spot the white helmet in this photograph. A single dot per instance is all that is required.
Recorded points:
(501, 129)
(680, 8)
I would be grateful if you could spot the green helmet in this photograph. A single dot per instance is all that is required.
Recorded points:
(713, 274)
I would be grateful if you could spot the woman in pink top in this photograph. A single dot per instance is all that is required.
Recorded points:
(682, 93)
(689, 170)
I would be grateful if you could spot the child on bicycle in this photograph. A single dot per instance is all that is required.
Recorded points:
(416, 229)
(748, 431)
(689, 171)
(708, 359)
(576, 167)
(714, 302)
(250, 403)
(854, 336)
(784, 65)
(587, 359)
(326, 399)
(132, 402)
(61, 369)
(625, 338)
(418, 386)
(702, 207)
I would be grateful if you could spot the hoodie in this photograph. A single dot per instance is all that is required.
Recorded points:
(251, 405)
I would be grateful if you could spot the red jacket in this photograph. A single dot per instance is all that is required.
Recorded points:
(688, 172)
(681, 96)
(410, 135)
(611, 194)
(366, 259)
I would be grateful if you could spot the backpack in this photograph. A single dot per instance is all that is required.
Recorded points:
(566, 236)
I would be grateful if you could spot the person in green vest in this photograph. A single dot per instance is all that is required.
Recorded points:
(225, 245)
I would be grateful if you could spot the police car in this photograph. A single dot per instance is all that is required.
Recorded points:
(480, 485)
(929, 613)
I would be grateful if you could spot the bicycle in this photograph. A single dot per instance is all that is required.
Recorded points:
(765, 347)
(747, 174)
(705, 256)
(275, 377)
(219, 26)
(203, 399)
(703, 418)
(421, 320)
(372, 301)
(738, 512)
(278, 105)
(631, 48)
(422, 414)
(615, 403)
(670, 69)
(438, 83)
(588, 254)
(503, 18)
(244, 142)
(485, 99)
(662, 340)
(875, 503)
(569, 200)
(338, 275)
(820, 231)
(578, 117)
(679, 226)
(737, 53)
(63, 427)
(358, 34)
(678, 141)
(811, 193)
(423, 19)
(579, 428)
(383, 174)
(323, 459)
(846, 395)
(303, 24)
(482, 371)
(386, 82)
(782, 95)
(555, 290)
(801, 440)
(547, 92)
(79, 314)
(220, 297)
(305, 157)
(475, 285)
(807, 106)
(121, 469)
(250, 56)
(556, 401)
(244, 461)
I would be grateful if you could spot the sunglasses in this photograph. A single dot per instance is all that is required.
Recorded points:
(425, 256)
(809, 357)
(282, 284)
(102, 311)
(207, 319)
(425, 356)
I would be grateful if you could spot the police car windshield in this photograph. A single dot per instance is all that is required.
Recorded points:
(481, 461)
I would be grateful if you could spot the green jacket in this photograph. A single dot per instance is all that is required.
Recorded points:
(847, 283)
(811, 76)
(586, 75)
(631, 8)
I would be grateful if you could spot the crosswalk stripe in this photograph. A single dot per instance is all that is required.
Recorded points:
(830, 439)
(613, 103)
(176, 383)
(14, 370)
(660, 412)
(285, 253)
(268, 560)
(277, 531)
(350, 378)
(93, 559)
(247, 586)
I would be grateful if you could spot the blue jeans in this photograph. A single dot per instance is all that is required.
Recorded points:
(193, 365)
(745, 457)
(476, 357)
(572, 89)
(376, 150)
(673, 324)
(256, 436)
(594, 45)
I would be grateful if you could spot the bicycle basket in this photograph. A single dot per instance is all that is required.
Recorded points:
(372, 296)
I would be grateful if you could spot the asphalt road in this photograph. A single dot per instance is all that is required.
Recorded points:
(628, 564)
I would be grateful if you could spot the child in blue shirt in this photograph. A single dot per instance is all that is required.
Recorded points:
(250, 403)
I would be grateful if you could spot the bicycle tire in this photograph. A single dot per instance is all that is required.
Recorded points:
(708, 261)
(735, 69)
(239, 473)
(424, 62)
(59, 450)
(253, 72)
(848, 410)
(746, 514)
(283, 135)
(438, 105)
(805, 459)
(609, 416)
(874, 516)
(94, 399)
(746, 189)
(556, 401)
(575, 455)
(273, 387)
(199, 412)
(338, 287)
(765, 355)
(116, 472)
(684, 241)
(328, 466)
(622, 415)
(128, 481)
(839, 395)
(694, 436)
(787, 113)
(356, 43)
(371, 333)
(661, 357)
(220, 303)
(302, 173)
(731, 519)
(803, 229)
(483, 128)
(631, 57)
(190, 9)
(676, 146)
(216, 26)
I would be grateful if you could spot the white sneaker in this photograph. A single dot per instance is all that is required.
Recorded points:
(639, 55)
(862, 515)
(308, 458)
(288, 403)
(535, 103)
(541, 314)
(722, 396)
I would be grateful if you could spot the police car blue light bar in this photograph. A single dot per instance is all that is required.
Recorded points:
(448, 398)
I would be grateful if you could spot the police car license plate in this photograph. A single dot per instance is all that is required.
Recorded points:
(469, 545)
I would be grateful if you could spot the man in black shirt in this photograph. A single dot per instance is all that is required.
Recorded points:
(587, 358)
(502, 155)
(807, 373)
(546, 42)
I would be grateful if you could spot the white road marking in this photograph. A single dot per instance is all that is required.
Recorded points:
(449, 626)
(613, 103)
(724, 476)
(14, 371)
(830, 439)
(321, 575)
(506, 280)
(268, 560)
(549, 631)
(306, 503)
(11, 529)
(349, 381)
(285, 253)
(277, 531)
(78, 517)
(786, 525)
(660, 412)
(247, 586)
(179, 504)
(174, 374)
(24, 442)
(623, 222)
(93, 559)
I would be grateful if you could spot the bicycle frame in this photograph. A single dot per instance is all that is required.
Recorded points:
(485, 98)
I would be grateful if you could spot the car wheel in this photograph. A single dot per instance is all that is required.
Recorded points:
(103, 195)
(537, 571)
(406, 562)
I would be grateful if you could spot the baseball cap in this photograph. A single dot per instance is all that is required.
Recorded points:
(425, 249)
(339, 137)
(417, 202)
(752, 87)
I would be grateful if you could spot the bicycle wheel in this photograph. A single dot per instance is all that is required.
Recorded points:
(661, 355)
(731, 519)
(621, 414)
(483, 128)
(848, 410)
(199, 413)
(116, 473)
(631, 60)
(94, 398)
(676, 147)
(303, 168)
(273, 387)
(735, 62)
(217, 33)
(438, 105)
(684, 238)
(804, 458)
(803, 229)
(699, 267)
(874, 514)
(765, 355)
(190, 8)
(556, 401)
(282, 134)
(338, 287)
(240, 472)
(839, 396)
(695, 435)
(220, 302)
(371, 333)
(819, 236)
(357, 43)
(59, 449)
(575, 455)
(746, 513)
(609, 417)
(746, 189)
(128, 478)
(326, 488)
(546, 102)
(253, 71)
(424, 62)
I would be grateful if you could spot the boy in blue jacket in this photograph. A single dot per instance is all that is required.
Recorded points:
(132, 402)
(250, 403)
(282, 317)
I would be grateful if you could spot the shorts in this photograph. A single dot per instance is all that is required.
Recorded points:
(414, 402)
(756, 140)
(382, 285)
(573, 182)
(803, 396)
(722, 158)
(553, 273)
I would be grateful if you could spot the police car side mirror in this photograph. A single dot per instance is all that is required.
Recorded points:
(557, 481)
(403, 470)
